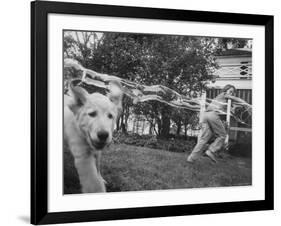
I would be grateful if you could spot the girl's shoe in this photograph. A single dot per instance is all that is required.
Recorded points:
(211, 156)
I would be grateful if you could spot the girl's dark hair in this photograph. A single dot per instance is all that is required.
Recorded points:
(227, 87)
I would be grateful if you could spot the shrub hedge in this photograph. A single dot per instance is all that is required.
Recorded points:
(152, 141)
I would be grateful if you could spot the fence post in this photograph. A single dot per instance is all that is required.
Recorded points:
(202, 106)
(228, 111)
(202, 110)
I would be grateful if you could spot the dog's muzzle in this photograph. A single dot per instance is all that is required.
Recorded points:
(101, 142)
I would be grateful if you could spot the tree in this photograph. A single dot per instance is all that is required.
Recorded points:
(178, 62)
(231, 43)
(181, 63)
(80, 46)
(118, 55)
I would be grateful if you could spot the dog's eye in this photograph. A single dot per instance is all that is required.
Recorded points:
(93, 114)
(110, 116)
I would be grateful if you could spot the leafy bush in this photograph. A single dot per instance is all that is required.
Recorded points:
(151, 141)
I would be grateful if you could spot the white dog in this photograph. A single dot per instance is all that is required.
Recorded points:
(89, 121)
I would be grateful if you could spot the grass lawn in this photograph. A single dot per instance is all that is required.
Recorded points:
(132, 168)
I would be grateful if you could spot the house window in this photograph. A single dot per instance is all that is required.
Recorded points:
(234, 69)
(245, 70)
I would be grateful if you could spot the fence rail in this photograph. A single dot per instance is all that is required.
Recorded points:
(245, 94)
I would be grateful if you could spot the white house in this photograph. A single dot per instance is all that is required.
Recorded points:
(235, 68)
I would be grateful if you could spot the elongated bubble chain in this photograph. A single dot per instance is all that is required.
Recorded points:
(142, 93)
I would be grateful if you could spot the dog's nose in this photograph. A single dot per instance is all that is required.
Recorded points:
(102, 135)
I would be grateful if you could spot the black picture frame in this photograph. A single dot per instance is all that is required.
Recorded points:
(39, 112)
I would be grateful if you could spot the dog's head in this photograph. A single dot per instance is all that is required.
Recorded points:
(96, 114)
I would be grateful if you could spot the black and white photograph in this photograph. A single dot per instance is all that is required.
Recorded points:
(128, 113)
(149, 111)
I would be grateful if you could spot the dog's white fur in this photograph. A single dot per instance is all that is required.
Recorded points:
(89, 121)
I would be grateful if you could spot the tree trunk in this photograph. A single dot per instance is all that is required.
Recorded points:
(178, 127)
(166, 122)
(185, 131)
(126, 117)
(159, 126)
(118, 124)
(150, 128)
(134, 125)
(123, 126)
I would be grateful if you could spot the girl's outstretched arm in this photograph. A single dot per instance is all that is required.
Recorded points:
(236, 99)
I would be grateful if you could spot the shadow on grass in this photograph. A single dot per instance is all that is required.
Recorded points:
(70, 175)
(241, 150)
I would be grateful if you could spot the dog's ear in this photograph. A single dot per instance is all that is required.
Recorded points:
(115, 93)
(79, 97)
